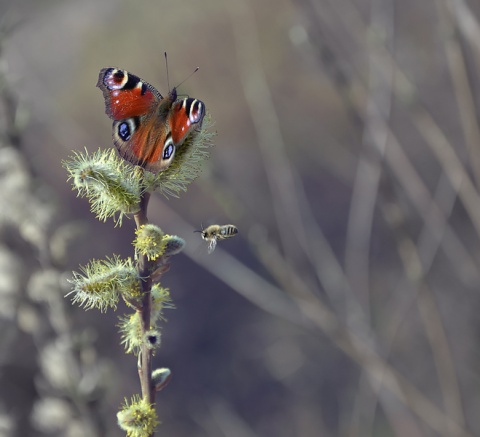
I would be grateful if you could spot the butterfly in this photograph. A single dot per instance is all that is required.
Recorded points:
(147, 127)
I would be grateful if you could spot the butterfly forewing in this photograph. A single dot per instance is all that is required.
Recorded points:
(126, 95)
(185, 114)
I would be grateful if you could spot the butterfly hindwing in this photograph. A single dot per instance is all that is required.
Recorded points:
(143, 143)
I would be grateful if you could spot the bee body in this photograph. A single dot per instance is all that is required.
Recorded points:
(215, 233)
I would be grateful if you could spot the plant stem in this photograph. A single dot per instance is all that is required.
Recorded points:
(144, 270)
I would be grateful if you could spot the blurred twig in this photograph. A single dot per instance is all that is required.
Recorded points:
(48, 369)
(364, 198)
(272, 299)
(463, 91)
(430, 316)
(281, 175)
(398, 163)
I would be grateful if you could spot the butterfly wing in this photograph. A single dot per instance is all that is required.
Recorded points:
(125, 94)
(185, 115)
(143, 142)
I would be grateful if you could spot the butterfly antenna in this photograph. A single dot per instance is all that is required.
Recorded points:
(166, 66)
(188, 77)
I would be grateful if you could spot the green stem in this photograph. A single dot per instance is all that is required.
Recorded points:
(144, 269)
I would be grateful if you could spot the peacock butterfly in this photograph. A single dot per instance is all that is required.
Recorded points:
(147, 127)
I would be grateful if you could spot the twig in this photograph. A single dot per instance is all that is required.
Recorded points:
(144, 269)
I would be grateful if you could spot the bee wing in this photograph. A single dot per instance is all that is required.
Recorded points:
(212, 245)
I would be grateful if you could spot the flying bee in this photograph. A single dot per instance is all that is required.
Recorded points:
(215, 233)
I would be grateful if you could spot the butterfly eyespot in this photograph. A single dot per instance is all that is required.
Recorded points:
(195, 110)
(124, 131)
(168, 151)
(168, 148)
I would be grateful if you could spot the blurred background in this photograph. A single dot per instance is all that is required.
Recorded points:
(347, 154)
